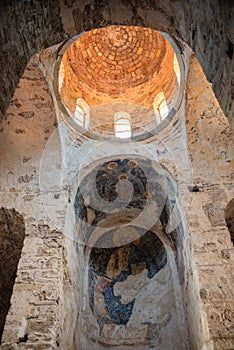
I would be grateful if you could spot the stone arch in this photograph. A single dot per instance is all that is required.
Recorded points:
(56, 22)
(12, 234)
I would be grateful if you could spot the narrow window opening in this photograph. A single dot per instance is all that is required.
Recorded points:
(79, 116)
(82, 113)
(163, 109)
(61, 76)
(160, 106)
(176, 68)
(123, 125)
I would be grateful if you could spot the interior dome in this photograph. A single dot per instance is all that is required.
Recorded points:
(118, 65)
(126, 55)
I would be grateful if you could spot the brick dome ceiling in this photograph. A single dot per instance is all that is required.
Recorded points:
(127, 66)
(116, 58)
(118, 64)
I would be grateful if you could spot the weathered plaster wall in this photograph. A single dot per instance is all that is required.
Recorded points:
(211, 150)
(27, 27)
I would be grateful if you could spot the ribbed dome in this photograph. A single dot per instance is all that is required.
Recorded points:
(110, 60)
(119, 69)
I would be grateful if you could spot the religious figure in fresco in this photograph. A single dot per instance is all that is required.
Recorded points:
(130, 284)
(118, 274)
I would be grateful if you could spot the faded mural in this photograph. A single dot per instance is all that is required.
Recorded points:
(129, 296)
(113, 271)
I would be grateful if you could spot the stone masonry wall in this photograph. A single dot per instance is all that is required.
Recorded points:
(26, 27)
(35, 318)
(211, 151)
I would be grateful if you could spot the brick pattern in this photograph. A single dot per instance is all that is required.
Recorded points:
(125, 56)
(127, 65)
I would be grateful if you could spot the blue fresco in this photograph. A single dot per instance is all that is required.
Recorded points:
(148, 251)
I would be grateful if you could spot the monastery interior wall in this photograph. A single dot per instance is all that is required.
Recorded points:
(33, 321)
(42, 311)
(210, 145)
